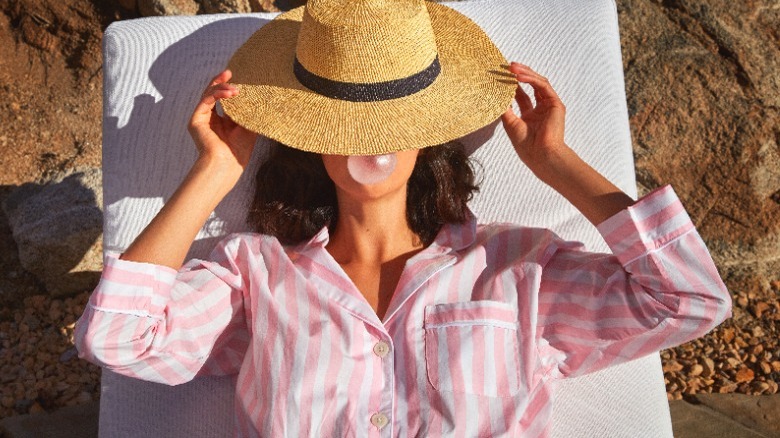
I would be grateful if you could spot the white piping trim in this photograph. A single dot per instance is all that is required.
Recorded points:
(139, 313)
(473, 322)
(654, 250)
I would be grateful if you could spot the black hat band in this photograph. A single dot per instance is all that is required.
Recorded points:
(367, 92)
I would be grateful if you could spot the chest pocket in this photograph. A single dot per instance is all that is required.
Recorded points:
(472, 348)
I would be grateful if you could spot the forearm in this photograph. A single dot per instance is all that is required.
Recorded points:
(167, 239)
(589, 191)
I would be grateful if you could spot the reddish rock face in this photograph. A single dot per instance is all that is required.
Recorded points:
(703, 89)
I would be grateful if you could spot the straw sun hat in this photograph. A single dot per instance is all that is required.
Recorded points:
(366, 77)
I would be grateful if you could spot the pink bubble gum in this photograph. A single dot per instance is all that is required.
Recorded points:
(371, 169)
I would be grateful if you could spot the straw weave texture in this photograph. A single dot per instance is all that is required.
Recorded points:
(472, 90)
(381, 41)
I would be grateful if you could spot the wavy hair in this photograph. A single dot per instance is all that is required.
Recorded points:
(294, 196)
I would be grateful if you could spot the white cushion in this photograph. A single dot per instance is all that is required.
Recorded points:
(155, 70)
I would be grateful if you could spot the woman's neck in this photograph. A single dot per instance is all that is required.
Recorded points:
(373, 231)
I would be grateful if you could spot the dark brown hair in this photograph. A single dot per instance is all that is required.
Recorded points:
(295, 197)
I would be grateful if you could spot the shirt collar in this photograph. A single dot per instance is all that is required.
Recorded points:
(455, 237)
(451, 236)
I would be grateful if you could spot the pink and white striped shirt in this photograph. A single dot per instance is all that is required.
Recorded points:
(481, 324)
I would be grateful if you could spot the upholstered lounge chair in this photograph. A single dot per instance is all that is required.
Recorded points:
(155, 70)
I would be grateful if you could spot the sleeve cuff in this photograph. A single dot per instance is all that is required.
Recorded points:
(653, 221)
(133, 287)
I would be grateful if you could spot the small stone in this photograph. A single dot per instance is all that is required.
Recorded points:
(36, 408)
(130, 5)
(672, 366)
(149, 8)
(775, 365)
(745, 374)
(727, 388)
(55, 314)
(696, 369)
(69, 354)
(84, 397)
(728, 335)
(23, 405)
(757, 349)
(765, 367)
(773, 387)
(694, 385)
(759, 387)
(759, 308)
(708, 366)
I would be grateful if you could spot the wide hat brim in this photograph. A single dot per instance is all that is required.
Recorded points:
(473, 89)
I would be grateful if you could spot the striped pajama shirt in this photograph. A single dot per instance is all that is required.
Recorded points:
(482, 324)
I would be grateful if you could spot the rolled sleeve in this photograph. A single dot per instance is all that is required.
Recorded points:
(154, 323)
(134, 288)
(660, 288)
(654, 221)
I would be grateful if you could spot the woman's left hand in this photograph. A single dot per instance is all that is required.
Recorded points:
(537, 134)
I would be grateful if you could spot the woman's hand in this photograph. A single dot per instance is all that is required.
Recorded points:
(220, 138)
(224, 149)
(537, 134)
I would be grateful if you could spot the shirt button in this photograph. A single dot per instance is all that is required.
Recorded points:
(379, 420)
(381, 349)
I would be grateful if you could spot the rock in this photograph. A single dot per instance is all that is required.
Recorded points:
(759, 309)
(672, 366)
(84, 397)
(745, 374)
(708, 366)
(7, 402)
(733, 362)
(727, 387)
(223, 6)
(703, 90)
(36, 408)
(129, 5)
(150, 8)
(69, 354)
(696, 370)
(57, 225)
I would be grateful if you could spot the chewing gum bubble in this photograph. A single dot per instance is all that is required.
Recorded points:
(371, 169)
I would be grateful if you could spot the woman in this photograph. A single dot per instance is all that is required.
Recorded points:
(381, 310)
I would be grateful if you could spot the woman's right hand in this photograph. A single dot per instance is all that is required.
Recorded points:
(224, 149)
(220, 138)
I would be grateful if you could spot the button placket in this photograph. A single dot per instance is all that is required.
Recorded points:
(381, 418)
